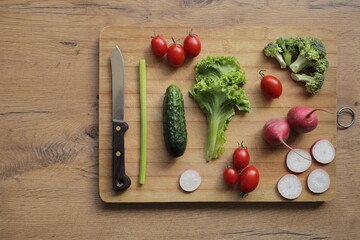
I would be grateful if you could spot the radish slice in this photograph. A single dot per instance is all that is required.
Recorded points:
(289, 186)
(296, 163)
(318, 181)
(190, 180)
(323, 151)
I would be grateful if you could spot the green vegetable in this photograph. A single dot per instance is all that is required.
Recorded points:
(289, 48)
(174, 123)
(313, 82)
(306, 57)
(273, 50)
(218, 94)
(312, 54)
(143, 129)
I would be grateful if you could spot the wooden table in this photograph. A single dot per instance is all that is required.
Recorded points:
(49, 125)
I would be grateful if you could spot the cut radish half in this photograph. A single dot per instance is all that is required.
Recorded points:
(296, 163)
(318, 181)
(289, 186)
(323, 151)
(190, 180)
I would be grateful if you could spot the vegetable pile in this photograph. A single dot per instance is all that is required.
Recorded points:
(318, 181)
(247, 177)
(301, 120)
(175, 53)
(218, 94)
(305, 56)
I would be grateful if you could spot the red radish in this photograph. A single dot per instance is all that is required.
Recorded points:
(318, 181)
(276, 131)
(302, 119)
(323, 151)
(296, 163)
(190, 180)
(289, 186)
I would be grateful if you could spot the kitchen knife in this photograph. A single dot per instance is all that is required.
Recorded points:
(120, 180)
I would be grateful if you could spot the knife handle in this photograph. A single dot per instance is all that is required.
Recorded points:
(120, 180)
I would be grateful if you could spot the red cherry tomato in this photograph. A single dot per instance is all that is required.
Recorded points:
(158, 46)
(270, 86)
(249, 179)
(241, 157)
(230, 176)
(192, 45)
(175, 55)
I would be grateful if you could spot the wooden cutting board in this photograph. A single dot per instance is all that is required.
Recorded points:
(246, 44)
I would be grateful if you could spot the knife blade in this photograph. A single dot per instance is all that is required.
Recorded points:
(120, 181)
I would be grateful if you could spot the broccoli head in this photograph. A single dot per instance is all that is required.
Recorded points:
(313, 82)
(273, 50)
(289, 48)
(312, 54)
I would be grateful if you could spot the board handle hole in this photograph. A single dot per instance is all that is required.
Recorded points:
(120, 183)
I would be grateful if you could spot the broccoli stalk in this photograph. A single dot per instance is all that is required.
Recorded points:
(300, 64)
(218, 94)
(303, 62)
(313, 83)
(273, 50)
(289, 48)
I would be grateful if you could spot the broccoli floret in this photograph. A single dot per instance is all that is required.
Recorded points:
(312, 54)
(273, 50)
(289, 48)
(313, 82)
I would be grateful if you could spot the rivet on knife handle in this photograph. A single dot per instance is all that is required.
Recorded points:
(120, 180)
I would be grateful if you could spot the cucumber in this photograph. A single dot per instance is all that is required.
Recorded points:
(175, 134)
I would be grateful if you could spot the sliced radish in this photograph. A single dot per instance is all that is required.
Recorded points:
(318, 181)
(190, 180)
(323, 151)
(296, 163)
(289, 186)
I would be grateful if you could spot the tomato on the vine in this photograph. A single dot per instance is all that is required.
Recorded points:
(192, 45)
(159, 46)
(249, 179)
(270, 86)
(230, 176)
(175, 55)
(241, 157)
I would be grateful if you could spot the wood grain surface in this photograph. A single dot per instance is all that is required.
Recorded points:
(163, 171)
(49, 124)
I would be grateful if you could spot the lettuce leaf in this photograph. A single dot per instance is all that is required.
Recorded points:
(217, 91)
